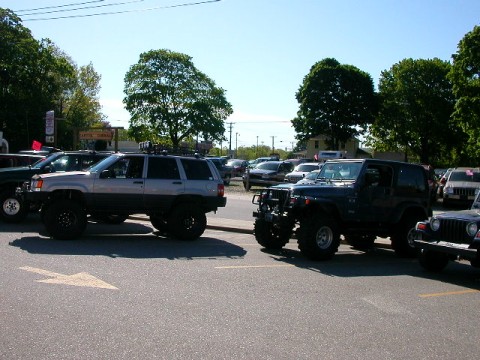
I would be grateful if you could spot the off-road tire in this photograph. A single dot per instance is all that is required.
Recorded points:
(402, 238)
(65, 220)
(433, 261)
(272, 235)
(187, 222)
(360, 242)
(12, 208)
(318, 237)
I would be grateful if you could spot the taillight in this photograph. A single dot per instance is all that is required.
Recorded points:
(220, 190)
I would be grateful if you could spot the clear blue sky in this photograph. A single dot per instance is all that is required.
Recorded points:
(257, 50)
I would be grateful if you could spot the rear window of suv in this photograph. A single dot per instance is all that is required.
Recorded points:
(196, 169)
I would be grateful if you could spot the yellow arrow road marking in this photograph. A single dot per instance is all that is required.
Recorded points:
(80, 279)
(461, 292)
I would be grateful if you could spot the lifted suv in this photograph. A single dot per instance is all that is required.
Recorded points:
(357, 198)
(12, 208)
(176, 192)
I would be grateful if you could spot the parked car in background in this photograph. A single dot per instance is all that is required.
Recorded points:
(301, 170)
(296, 162)
(12, 207)
(239, 166)
(17, 160)
(226, 171)
(253, 163)
(310, 178)
(267, 173)
(461, 186)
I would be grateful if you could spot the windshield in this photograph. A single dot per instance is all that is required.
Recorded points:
(312, 175)
(465, 175)
(268, 165)
(340, 171)
(40, 164)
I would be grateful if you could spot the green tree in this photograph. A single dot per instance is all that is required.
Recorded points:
(167, 96)
(336, 100)
(416, 102)
(35, 77)
(465, 77)
(80, 107)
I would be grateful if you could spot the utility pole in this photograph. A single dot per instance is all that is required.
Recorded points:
(230, 141)
(273, 144)
(236, 144)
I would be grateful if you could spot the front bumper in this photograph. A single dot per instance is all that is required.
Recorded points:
(463, 250)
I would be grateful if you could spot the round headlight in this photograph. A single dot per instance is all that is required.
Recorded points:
(435, 224)
(472, 229)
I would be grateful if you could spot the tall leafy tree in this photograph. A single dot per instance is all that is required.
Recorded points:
(335, 100)
(80, 107)
(416, 104)
(465, 76)
(35, 77)
(167, 96)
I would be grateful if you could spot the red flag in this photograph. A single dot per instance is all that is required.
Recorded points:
(36, 145)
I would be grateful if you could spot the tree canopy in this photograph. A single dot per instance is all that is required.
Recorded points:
(168, 97)
(465, 77)
(416, 102)
(35, 77)
(335, 100)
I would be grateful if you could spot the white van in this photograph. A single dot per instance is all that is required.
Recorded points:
(331, 154)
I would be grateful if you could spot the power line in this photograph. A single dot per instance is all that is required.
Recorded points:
(124, 11)
(83, 7)
(60, 6)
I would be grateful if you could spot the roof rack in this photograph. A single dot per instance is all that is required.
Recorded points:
(149, 148)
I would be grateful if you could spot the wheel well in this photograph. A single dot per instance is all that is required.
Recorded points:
(414, 212)
(69, 194)
(321, 208)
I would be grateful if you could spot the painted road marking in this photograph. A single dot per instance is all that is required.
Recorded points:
(80, 279)
(251, 266)
(448, 293)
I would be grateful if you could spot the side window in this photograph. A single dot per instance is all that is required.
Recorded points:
(196, 169)
(379, 175)
(135, 168)
(127, 167)
(162, 168)
(411, 179)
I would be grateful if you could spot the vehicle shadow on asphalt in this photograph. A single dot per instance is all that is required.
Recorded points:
(378, 262)
(141, 246)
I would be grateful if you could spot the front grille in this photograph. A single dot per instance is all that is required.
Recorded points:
(454, 231)
(464, 191)
(280, 197)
